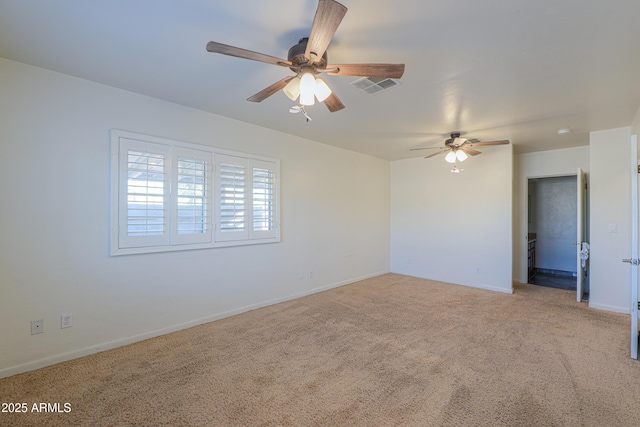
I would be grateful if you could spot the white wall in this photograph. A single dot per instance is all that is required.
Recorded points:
(54, 222)
(541, 164)
(635, 126)
(454, 227)
(610, 190)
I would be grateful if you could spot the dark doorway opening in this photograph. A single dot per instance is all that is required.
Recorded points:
(552, 232)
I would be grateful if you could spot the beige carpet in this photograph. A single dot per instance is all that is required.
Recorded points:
(388, 351)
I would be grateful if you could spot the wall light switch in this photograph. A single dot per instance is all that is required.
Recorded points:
(613, 228)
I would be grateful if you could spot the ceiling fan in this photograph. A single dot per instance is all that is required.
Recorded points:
(458, 148)
(308, 58)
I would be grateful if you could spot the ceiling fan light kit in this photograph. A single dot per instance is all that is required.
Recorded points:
(450, 157)
(307, 89)
(322, 90)
(308, 58)
(292, 89)
(459, 149)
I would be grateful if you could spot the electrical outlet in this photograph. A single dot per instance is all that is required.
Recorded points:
(66, 320)
(37, 326)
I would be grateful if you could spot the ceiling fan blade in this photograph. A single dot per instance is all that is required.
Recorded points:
(391, 71)
(224, 49)
(427, 148)
(480, 144)
(333, 103)
(470, 151)
(439, 152)
(325, 23)
(267, 92)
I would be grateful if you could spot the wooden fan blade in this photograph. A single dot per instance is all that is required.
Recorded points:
(427, 148)
(224, 49)
(267, 92)
(480, 144)
(391, 71)
(333, 103)
(325, 23)
(439, 152)
(470, 151)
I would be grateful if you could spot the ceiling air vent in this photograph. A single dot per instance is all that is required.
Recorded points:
(373, 85)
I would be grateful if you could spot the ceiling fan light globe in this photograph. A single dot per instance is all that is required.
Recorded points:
(461, 155)
(322, 90)
(307, 89)
(307, 100)
(450, 157)
(292, 89)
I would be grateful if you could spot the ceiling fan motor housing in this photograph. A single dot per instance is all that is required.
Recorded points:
(454, 136)
(296, 56)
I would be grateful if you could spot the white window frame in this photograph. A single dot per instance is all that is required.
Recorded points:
(247, 231)
(206, 236)
(254, 164)
(171, 240)
(126, 241)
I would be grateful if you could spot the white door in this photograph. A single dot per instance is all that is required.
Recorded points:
(581, 233)
(634, 247)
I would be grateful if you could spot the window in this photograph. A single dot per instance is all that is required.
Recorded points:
(246, 196)
(169, 195)
(263, 199)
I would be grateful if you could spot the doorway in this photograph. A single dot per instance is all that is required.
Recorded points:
(552, 235)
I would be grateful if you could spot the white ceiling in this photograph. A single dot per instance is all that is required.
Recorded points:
(495, 69)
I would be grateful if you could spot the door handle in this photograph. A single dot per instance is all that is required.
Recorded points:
(633, 261)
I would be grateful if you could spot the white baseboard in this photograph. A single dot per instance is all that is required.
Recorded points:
(508, 290)
(605, 307)
(63, 357)
(492, 288)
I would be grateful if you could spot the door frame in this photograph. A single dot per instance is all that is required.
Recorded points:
(634, 246)
(523, 241)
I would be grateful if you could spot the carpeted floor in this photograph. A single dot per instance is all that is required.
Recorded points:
(388, 351)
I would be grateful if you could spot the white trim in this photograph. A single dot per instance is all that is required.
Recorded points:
(524, 221)
(468, 285)
(63, 357)
(615, 309)
(489, 288)
(634, 247)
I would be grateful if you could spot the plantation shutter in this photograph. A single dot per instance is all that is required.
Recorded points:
(232, 218)
(191, 196)
(143, 195)
(171, 195)
(263, 199)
